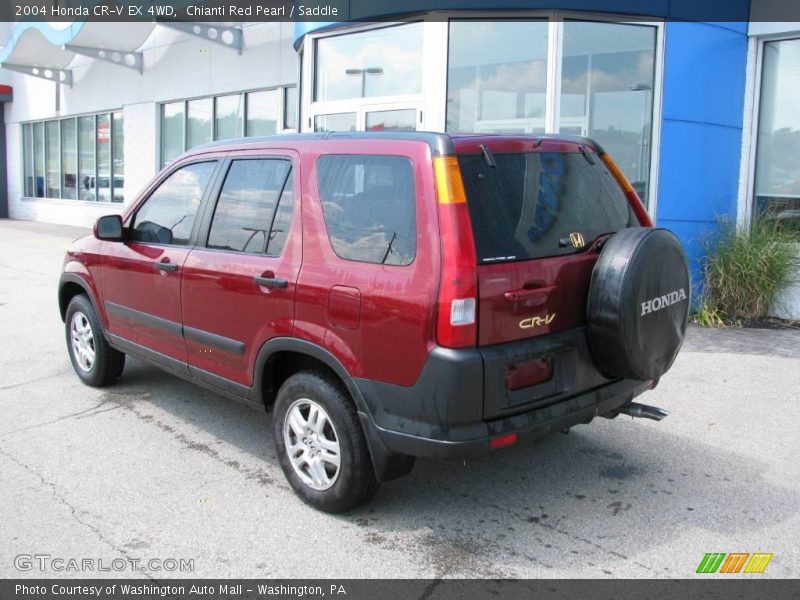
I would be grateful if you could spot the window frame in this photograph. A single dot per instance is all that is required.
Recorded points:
(415, 204)
(130, 218)
(433, 99)
(210, 210)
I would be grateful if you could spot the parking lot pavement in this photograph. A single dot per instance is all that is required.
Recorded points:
(157, 468)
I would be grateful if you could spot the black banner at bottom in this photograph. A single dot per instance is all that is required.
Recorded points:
(370, 589)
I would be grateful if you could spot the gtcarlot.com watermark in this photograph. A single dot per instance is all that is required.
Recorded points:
(58, 564)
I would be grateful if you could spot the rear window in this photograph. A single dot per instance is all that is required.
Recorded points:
(532, 205)
(368, 204)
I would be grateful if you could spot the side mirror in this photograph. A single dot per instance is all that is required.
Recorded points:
(109, 228)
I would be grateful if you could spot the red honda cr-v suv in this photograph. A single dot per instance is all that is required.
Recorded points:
(388, 295)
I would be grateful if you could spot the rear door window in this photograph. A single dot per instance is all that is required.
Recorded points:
(246, 214)
(369, 208)
(532, 205)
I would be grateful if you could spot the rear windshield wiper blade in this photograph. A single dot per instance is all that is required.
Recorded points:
(587, 155)
(488, 156)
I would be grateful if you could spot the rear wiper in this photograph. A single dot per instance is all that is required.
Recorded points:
(587, 155)
(389, 247)
(488, 156)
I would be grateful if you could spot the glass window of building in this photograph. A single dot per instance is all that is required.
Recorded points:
(38, 159)
(777, 180)
(392, 120)
(228, 111)
(27, 142)
(335, 122)
(290, 107)
(74, 158)
(262, 112)
(198, 122)
(69, 159)
(497, 76)
(607, 82)
(172, 128)
(117, 156)
(103, 158)
(52, 160)
(497, 82)
(378, 62)
(86, 159)
(190, 123)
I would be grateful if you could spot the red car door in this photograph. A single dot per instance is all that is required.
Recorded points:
(238, 283)
(141, 278)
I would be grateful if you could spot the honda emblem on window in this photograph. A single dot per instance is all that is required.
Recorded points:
(577, 240)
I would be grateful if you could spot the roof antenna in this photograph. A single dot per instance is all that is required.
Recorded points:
(488, 156)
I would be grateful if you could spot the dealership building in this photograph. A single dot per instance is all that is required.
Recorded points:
(702, 117)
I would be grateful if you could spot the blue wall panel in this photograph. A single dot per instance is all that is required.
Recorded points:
(704, 73)
(699, 174)
(702, 113)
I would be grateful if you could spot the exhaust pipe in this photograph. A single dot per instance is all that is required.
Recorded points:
(644, 411)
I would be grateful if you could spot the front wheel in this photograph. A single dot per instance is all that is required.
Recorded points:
(321, 445)
(94, 360)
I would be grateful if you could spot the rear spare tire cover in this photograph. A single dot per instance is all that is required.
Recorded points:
(638, 303)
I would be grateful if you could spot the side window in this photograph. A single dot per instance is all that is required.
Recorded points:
(167, 216)
(369, 207)
(247, 202)
(282, 221)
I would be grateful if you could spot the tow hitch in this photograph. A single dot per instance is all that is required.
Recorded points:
(644, 411)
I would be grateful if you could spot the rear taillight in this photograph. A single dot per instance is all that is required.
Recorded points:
(456, 325)
(630, 193)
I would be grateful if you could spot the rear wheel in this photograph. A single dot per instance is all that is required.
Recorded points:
(94, 360)
(321, 445)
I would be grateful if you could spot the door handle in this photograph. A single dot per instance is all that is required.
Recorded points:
(165, 266)
(528, 293)
(270, 282)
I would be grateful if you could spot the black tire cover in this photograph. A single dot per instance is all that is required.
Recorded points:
(638, 305)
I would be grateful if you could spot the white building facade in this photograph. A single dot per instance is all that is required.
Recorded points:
(81, 150)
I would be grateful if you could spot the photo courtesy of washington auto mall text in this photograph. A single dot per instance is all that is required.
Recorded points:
(399, 299)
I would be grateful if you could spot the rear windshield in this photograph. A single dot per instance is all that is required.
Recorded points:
(532, 205)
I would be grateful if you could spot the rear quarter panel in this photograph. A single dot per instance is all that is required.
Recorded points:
(394, 331)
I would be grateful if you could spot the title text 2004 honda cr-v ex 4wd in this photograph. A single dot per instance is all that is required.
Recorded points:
(387, 295)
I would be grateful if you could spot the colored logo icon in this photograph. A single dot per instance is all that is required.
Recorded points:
(734, 562)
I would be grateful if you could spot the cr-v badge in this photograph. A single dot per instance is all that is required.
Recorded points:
(536, 321)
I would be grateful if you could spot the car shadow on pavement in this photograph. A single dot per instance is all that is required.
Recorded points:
(590, 501)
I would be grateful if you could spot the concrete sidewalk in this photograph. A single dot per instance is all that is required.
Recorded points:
(155, 467)
(51, 229)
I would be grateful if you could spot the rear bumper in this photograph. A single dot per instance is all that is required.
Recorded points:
(530, 425)
(459, 403)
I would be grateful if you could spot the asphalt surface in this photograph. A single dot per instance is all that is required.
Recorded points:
(157, 468)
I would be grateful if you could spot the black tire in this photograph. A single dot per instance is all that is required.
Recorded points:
(354, 482)
(638, 305)
(108, 363)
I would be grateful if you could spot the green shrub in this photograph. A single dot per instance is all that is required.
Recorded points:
(744, 271)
